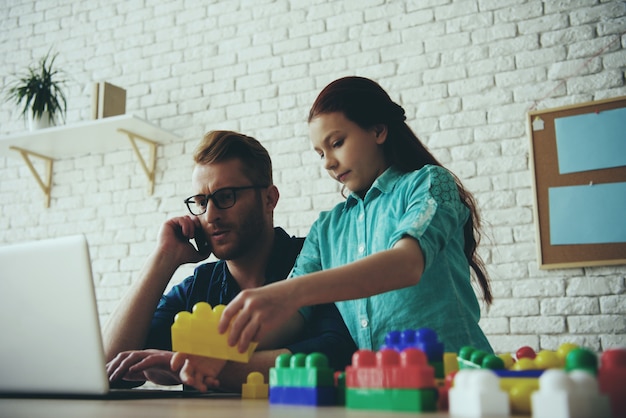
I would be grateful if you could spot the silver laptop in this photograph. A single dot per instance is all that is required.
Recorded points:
(50, 340)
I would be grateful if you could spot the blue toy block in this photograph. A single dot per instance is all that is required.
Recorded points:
(313, 396)
(519, 373)
(424, 339)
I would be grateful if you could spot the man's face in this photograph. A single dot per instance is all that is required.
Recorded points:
(232, 232)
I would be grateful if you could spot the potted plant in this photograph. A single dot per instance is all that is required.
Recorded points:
(39, 92)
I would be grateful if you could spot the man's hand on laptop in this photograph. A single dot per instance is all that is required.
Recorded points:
(141, 365)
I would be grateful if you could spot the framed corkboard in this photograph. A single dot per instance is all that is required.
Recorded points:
(578, 161)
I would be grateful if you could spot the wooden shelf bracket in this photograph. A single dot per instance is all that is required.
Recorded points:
(44, 184)
(149, 167)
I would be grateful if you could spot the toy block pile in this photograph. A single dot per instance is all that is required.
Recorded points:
(544, 384)
(424, 339)
(302, 379)
(398, 377)
(196, 333)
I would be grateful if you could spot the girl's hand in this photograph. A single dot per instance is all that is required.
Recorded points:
(256, 312)
(197, 371)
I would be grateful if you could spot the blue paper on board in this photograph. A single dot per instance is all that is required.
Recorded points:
(592, 141)
(589, 214)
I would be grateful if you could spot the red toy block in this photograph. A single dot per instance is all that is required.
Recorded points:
(612, 379)
(390, 369)
(525, 352)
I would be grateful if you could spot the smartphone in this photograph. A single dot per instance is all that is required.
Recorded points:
(202, 244)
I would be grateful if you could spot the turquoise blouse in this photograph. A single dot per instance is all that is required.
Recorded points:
(422, 204)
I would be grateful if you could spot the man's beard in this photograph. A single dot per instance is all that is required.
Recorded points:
(246, 237)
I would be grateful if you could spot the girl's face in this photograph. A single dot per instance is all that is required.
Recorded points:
(352, 155)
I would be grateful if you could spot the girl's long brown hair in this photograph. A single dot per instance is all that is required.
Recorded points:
(366, 103)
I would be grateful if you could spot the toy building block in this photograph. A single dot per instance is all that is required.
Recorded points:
(470, 358)
(591, 401)
(408, 400)
(255, 387)
(424, 339)
(507, 359)
(612, 379)
(301, 370)
(546, 359)
(450, 363)
(582, 359)
(519, 390)
(564, 350)
(302, 379)
(477, 393)
(196, 333)
(312, 396)
(525, 352)
(444, 388)
(389, 369)
(340, 384)
(568, 396)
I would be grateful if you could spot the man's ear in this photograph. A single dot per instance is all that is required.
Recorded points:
(272, 197)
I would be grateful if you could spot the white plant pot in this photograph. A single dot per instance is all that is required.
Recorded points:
(40, 123)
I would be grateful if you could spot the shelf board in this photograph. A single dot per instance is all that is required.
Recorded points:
(83, 138)
(90, 137)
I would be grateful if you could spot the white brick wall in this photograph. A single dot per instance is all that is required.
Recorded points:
(466, 71)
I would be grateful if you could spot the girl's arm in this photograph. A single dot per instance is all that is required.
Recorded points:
(266, 308)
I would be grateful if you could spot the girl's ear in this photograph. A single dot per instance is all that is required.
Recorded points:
(381, 133)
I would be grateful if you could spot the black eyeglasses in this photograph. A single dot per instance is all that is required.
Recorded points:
(223, 199)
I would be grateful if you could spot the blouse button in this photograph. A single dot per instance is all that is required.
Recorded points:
(361, 249)
(364, 323)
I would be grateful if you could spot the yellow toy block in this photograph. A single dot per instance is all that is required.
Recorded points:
(196, 333)
(255, 387)
(450, 363)
(519, 390)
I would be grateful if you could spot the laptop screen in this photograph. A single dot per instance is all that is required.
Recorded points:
(50, 334)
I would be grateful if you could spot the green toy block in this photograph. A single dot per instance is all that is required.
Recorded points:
(438, 366)
(341, 387)
(301, 370)
(407, 400)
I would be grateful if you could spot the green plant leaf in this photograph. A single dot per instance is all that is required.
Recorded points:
(39, 90)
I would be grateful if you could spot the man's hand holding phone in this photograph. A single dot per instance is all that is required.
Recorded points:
(202, 244)
(176, 236)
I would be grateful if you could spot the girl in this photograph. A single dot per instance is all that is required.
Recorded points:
(397, 253)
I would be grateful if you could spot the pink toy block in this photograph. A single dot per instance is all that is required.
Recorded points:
(573, 395)
(612, 379)
(390, 369)
(477, 393)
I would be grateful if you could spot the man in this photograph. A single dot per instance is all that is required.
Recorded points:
(232, 213)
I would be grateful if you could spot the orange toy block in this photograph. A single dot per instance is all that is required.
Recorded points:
(255, 387)
(196, 333)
